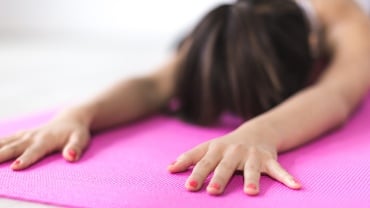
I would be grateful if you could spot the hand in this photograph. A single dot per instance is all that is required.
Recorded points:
(238, 151)
(64, 133)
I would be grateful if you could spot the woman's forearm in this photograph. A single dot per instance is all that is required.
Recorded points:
(321, 107)
(123, 102)
(127, 100)
(301, 118)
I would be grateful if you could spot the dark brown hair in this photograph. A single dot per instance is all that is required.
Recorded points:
(245, 58)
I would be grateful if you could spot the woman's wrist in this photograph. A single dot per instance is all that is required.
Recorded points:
(261, 130)
(83, 114)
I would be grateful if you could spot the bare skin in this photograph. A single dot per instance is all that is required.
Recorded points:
(325, 105)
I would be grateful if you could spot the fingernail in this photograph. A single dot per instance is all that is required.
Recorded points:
(215, 186)
(252, 186)
(17, 162)
(72, 153)
(193, 184)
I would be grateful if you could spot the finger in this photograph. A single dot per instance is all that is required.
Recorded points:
(7, 140)
(12, 150)
(223, 172)
(252, 174)
(274, 169)
(29, 157)
(203, 168)
(188, 159)
(75, 146)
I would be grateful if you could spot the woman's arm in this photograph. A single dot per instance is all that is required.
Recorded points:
(69, 131)
(127, 100)
(340, 89)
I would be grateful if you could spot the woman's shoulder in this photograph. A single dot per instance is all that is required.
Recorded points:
(333, 13)
(330, 11)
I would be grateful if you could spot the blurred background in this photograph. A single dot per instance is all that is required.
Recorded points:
(54, 52)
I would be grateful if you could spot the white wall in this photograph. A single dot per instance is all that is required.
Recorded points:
(102, 17)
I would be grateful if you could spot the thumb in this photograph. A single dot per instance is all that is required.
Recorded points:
(75, 146)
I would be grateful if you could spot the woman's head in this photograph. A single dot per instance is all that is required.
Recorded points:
(245, 58)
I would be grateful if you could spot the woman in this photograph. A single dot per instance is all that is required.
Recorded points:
(266, 61)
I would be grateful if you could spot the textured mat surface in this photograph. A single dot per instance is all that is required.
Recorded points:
(126, 167)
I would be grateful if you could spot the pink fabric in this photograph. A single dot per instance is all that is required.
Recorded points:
(126, 167)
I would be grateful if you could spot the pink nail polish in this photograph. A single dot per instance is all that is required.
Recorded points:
(215, 186)
(252, 186)
(72, 153)
(17, 162)
(193, 184)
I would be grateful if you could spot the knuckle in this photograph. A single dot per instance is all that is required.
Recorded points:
(83, 139)
(36, 148)
(183, 157)
(205, 164)
(12, 149)
(237, 148)
(217, 146)
(269, 165)
(28, 158)
(220, 178)
(42, 135)
(85, 133)
(270, 156)
(226, 165)
(270, 162)
(265, 169)
(29, 133)
(282, 175)
(251, 167)
(198, 175)
(26, 137)
(26, 140)
(20, 133)
(253, 151)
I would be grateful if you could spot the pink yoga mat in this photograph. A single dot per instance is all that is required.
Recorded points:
(126, 167)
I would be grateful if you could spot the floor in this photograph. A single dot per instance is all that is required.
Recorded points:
(41, 73)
